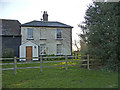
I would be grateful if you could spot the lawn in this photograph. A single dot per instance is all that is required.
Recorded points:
(57, 77)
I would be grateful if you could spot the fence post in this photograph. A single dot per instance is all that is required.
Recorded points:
(15, 65)
(74, 55)
(66, 66)
(77, 55)
(88, 67)
(41, 63)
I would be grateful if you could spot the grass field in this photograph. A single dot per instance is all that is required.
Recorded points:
(57, 77)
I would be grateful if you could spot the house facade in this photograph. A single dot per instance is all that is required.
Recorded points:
(45, 38)
(10, 37)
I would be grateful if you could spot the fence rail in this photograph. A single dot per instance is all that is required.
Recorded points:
(37, 57)
(66, 60)
(39, 62)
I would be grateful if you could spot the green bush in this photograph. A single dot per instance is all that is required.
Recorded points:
(8, 53)
(50, 59)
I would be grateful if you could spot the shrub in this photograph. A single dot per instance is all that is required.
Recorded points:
(8, 53)
(49, 59)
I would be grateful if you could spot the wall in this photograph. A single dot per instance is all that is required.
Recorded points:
(47, 35)
(12, 42)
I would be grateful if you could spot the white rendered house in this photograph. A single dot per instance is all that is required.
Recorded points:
(45, 38)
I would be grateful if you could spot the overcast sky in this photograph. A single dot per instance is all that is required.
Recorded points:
(70, 12)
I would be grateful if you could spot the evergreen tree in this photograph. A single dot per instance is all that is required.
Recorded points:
(100, 32)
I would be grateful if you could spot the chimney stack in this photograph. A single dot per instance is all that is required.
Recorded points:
(45, 16)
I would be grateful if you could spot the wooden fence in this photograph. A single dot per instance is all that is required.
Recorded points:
(41, 62)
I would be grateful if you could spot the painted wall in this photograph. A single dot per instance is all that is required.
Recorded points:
(23, 50)
(11, 42)
(47, 35)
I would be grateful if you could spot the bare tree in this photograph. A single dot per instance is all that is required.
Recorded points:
(76, 44)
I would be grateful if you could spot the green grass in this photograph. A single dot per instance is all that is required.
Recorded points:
(75, 77)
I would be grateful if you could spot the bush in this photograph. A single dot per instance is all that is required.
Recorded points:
(50, 59)
(8, 53)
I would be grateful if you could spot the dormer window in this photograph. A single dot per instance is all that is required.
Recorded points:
(59, 34)
(30, 33)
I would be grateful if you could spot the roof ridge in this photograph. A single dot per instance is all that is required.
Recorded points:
(46, 24)
(10, 19)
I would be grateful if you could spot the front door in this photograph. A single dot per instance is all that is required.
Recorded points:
(28, 52)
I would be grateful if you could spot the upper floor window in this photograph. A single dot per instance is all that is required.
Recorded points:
(59, 33)
(43, 34)
(30, 33)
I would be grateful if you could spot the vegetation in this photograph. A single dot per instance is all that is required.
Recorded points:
(101, 32)
(37, 63)
(50, 59)
(59, 78)
(8, 53)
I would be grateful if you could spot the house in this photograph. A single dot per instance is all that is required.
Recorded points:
(45, 38)
(10, 34)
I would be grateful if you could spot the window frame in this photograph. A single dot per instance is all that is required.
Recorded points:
(59, 34)
(29, 33)
(59, 49)
(41, 45)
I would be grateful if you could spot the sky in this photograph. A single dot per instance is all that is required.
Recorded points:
(70, 12)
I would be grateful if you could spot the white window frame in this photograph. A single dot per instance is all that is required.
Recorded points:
(30, 33)
(42, 49)
(59, 34)
(59, 49)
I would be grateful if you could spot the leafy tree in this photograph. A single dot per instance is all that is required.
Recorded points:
(100, 32)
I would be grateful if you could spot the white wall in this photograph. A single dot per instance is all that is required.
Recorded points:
(49, 33)
(23, 50)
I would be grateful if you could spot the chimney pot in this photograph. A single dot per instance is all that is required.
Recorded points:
(45, 16)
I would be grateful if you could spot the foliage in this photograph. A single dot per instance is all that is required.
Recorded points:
(8, 53)
(84, 48)
(49, 59)
(100, 32)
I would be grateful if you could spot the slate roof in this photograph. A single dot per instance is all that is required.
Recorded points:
(46, 24)
(10, 27)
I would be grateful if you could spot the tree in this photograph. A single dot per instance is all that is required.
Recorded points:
(100, 32)
(76, 44)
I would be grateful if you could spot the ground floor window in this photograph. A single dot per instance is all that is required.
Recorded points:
(59, 49)
(42, 49)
